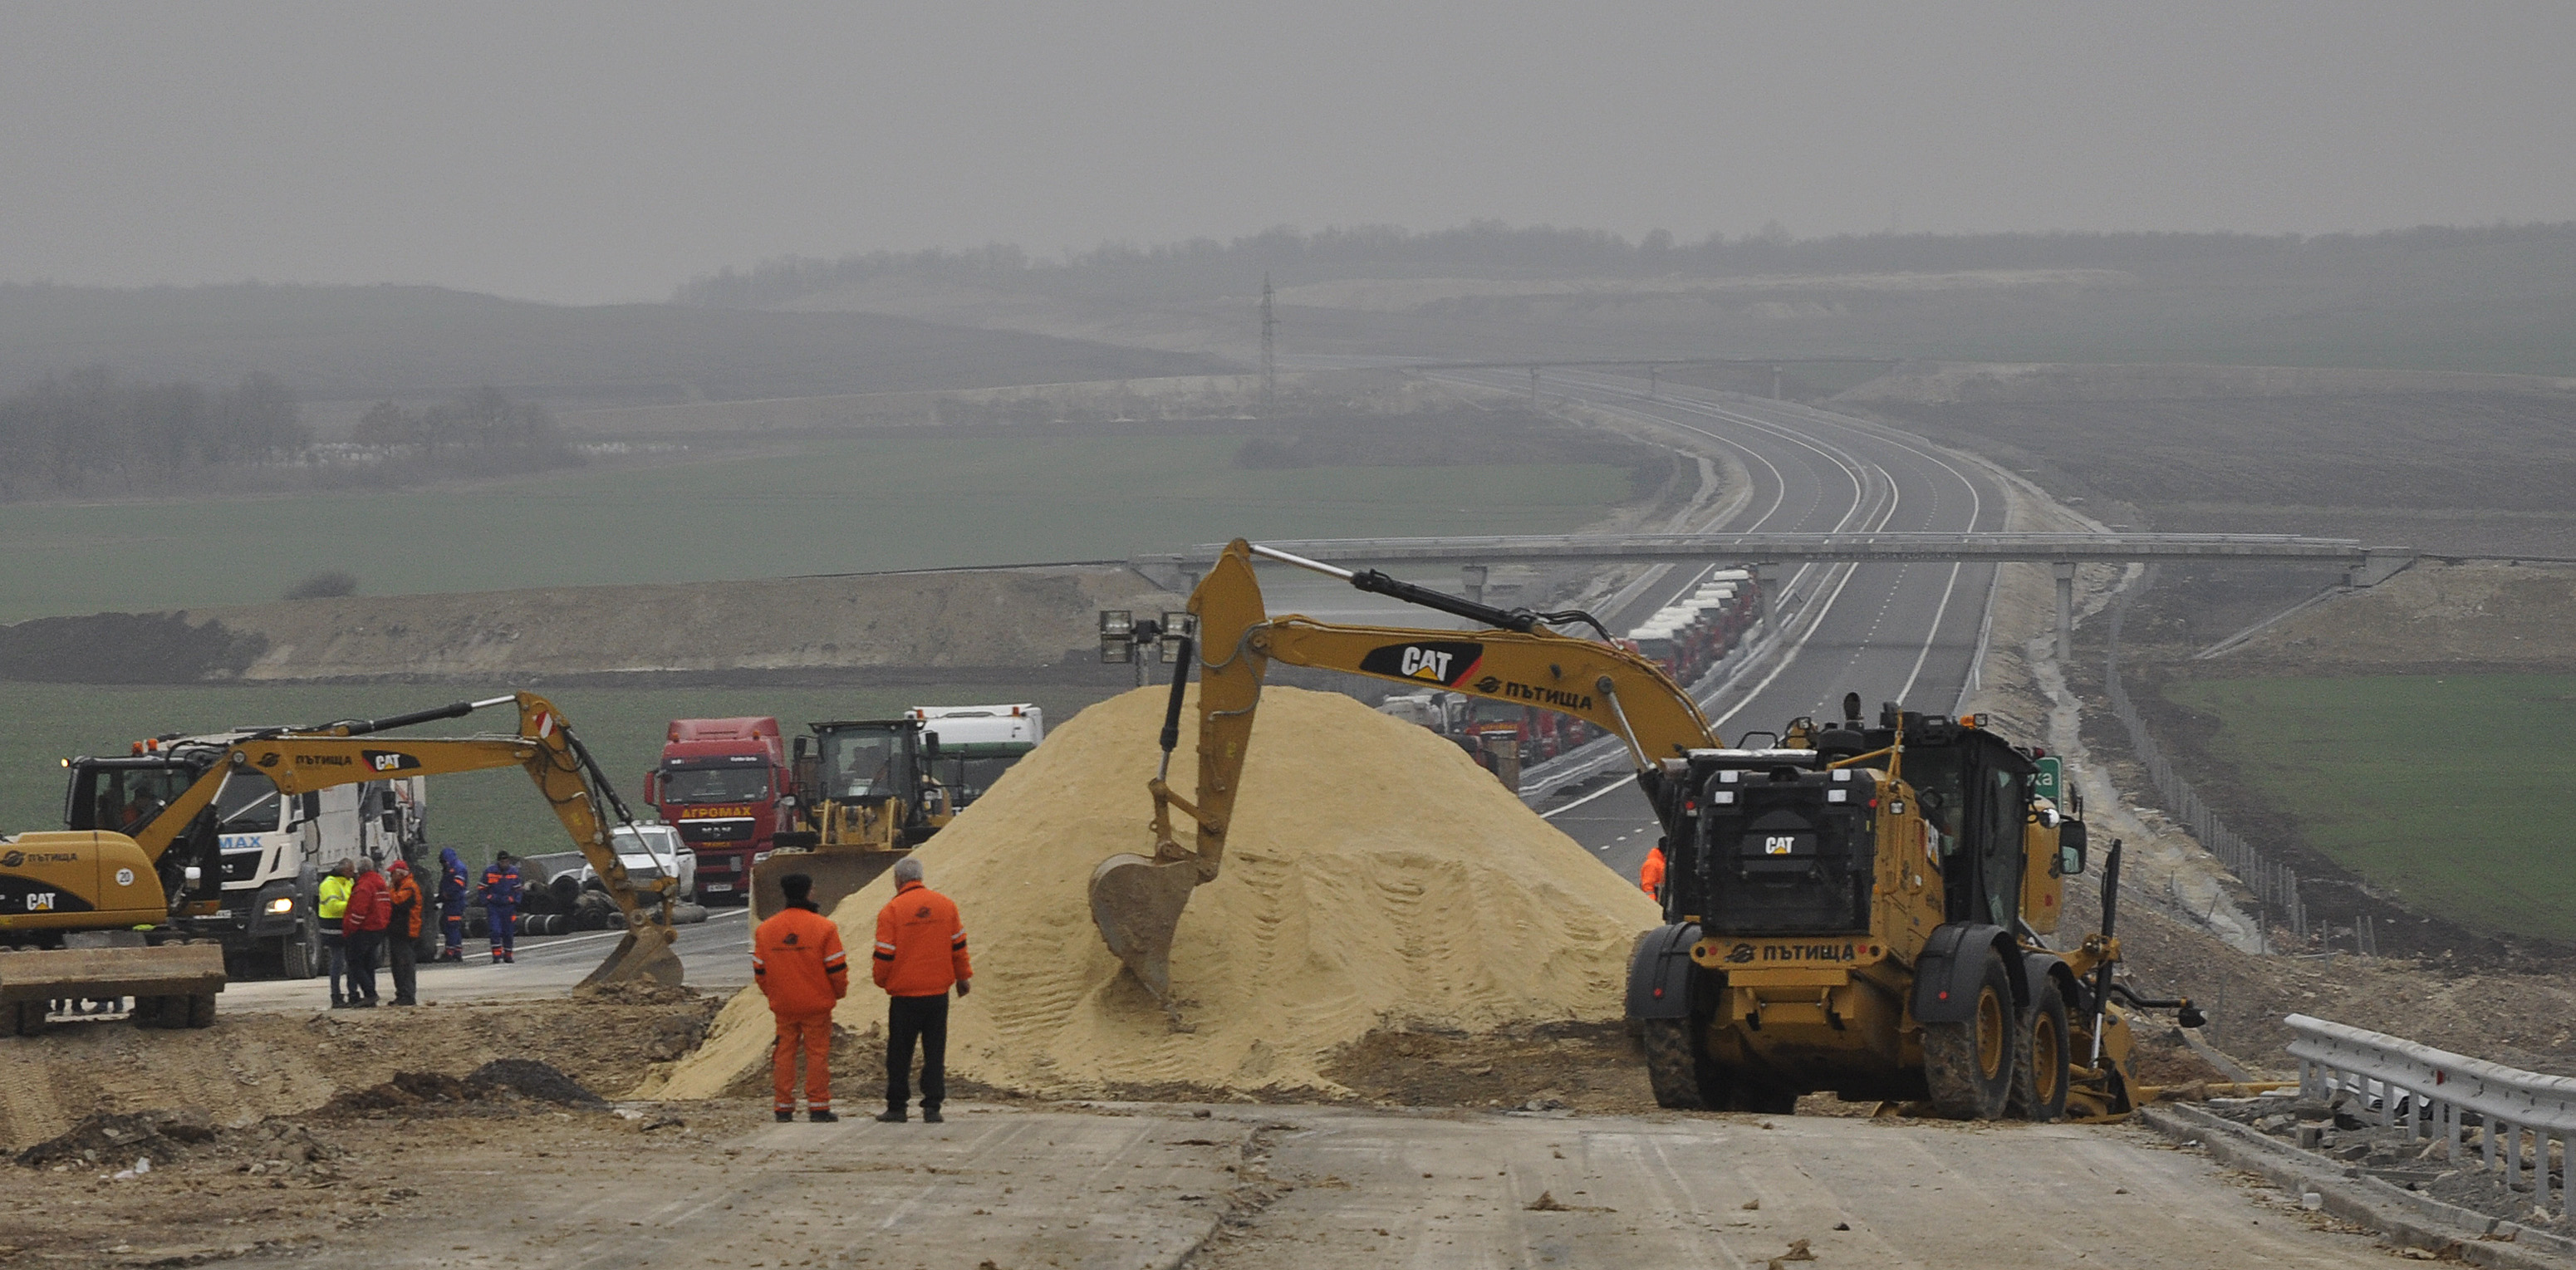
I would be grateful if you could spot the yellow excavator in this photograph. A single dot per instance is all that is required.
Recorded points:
(1863, 910)
(86, 911)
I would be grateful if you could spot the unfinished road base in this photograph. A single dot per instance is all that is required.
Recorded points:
(1375, 879)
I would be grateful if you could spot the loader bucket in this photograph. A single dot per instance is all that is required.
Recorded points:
(837, 874)
(645, 954)
(1136, 902)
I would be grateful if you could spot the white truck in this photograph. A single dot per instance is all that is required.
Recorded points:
(273, 852)
(976, 744)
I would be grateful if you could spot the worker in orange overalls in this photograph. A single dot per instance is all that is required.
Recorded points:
(921, 953)
(1650, 875)
(796, 959)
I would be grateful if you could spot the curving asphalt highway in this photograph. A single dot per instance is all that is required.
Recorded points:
(1891, 632)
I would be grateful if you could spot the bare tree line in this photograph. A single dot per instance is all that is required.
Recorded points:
(91, 431)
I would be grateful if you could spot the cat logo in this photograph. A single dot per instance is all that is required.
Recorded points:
(40, 901)
(1779, 845)
(1443, 662)
(388, 760)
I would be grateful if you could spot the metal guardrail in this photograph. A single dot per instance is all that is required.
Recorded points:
(2428, 1089)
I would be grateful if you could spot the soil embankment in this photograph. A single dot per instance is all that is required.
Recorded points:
(250, 1065)
(1375, 879)
(784, 627)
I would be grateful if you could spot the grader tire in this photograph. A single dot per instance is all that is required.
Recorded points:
(1970, 1065)
(1683, 1078)
(2039, 1079)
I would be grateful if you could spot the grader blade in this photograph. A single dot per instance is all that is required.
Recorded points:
(645, 954)
(1137, 902)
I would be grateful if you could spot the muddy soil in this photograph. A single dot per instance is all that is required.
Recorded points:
(248, 1066)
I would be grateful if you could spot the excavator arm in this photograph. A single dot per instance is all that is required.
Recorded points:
(351, 751)
(1137, 900)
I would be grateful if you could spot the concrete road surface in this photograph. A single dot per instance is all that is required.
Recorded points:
(1148, 1185)
(715, 957)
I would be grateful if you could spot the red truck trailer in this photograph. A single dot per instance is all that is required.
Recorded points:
(722, 782)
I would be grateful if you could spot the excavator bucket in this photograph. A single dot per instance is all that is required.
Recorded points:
(837, 876)
(645, 954)
(1136, 902)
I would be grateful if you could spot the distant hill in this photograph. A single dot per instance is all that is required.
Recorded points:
(410, 342)
(2496, 299)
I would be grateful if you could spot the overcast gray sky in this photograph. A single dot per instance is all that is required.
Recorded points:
(587, 152)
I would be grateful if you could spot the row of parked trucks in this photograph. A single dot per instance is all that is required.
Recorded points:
(1690, 636)
(737, 791)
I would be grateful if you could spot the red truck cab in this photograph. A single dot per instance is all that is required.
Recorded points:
(724, 784)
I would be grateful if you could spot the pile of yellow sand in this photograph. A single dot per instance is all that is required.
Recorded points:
(1375, 877)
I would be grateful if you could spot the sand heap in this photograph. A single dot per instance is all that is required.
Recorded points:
(1376, 877)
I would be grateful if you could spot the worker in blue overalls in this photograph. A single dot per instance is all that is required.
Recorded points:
(452, 889)
(501, 907)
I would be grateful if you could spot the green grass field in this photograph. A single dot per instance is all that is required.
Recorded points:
(2443, 790)
(476, 812)
(841, 506)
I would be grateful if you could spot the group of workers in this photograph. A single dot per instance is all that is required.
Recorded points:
(797, 961)
(370, 917)
(366, 914)
(920, 954)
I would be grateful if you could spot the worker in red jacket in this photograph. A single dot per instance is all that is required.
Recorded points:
(370, 911)
(797, 961)
(920, 955)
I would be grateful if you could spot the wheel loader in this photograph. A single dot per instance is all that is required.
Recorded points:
(865, 797)
(1862, 910)
(87, 912)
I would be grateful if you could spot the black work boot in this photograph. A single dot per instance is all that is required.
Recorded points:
(930, 1115)
(786, 1116)
(891, 1115)
(822, 1117)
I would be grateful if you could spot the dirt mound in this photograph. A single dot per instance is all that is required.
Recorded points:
(532, 1079)
(1375, 878)
(503, 1080)
(248, 1066)
(159, 1135)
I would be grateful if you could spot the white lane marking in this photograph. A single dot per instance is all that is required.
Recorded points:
(1611, 788)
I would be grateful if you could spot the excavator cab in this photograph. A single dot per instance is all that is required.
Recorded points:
(123, 795)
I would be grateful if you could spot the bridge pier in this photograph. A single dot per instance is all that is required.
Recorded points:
(1473, 576)
(2065, 610)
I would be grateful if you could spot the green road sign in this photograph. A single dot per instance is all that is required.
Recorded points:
(2048, 783)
